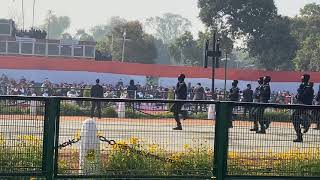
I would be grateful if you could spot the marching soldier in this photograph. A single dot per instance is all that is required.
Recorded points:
(247, 97)
(234, 95)
(265, 93)
(301, 117)
(317, 112)
(181, 93)
(254, 110)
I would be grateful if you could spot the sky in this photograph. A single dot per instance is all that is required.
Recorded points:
(85, 14)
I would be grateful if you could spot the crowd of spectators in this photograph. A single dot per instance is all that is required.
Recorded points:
(24, 87)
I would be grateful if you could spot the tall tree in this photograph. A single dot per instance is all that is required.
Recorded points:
(81, 35)
(308, 56)
(306, 29)
(169, 26)
(276, 47)
(56, 25)
(238, 17)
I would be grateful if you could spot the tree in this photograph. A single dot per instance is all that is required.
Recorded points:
(308, 56)
(99, 32)
(238, 17)
(276, 47)
(81, 35)
(66, 36)
(168, 27)
(185, 50)
(56, 25)
(306, 29)
(139, 46)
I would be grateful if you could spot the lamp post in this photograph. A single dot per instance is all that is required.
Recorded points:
(22, 9)
(34, 5)
(215, 54)
(225, 77)
(124, 43)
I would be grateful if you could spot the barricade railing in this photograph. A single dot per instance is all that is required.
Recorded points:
(57, 137)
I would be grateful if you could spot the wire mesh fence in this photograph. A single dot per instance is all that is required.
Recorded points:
(274, 141)
(135, 138)
(21, 135)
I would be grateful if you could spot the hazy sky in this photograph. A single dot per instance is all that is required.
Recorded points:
(87, 13)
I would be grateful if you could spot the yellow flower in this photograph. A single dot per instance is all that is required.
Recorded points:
(134, 140)
(77, 135)
(90, 155)
(186, 146)
(153, 148)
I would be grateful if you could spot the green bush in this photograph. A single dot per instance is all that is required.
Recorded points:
(109, 112)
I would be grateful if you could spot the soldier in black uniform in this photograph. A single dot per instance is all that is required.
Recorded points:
(96, 92)
(234, 95)
(316, 113)
(247, 97)
(255, 110)
(302, 117)
(265, 93)
(181, 92)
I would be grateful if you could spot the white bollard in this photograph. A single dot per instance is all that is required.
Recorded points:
(90, 160)
(33, 107)
(211, 111)
(121, 110)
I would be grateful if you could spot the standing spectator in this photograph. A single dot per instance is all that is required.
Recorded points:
(199, 94)
(181, 94)
(96, 92)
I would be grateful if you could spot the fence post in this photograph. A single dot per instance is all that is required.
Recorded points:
(51, 115)
(224, 114)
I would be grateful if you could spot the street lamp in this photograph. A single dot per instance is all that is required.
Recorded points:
(34, 5)
(124, 43)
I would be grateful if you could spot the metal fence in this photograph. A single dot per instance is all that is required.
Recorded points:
(56, 138)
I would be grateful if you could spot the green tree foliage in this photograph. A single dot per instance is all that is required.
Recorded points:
(238, 17)
(81, 35)
(185, 50)
(169, 26)
(139, 46)
(306, 29)
(275, 48)
(56, 25)
(308, 56)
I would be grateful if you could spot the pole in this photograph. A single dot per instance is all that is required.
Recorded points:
(22, 6)
(213, 65)
(124, 43)
(34, 4)
(225, 76)
(49, 19)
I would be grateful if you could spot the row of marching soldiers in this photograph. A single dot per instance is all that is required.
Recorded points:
(301, 118)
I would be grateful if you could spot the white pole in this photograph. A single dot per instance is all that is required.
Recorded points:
(22, 7)
(34, 5)
(89, 148)
(124, 43)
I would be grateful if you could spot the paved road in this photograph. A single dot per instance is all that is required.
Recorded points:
(195, 133)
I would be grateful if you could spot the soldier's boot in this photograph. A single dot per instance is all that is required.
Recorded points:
(179, 127)
(255, 126)
(299, 138)
(262, 130)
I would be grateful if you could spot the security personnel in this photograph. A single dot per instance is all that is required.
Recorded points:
(234, 94)
(265, 94)
(316, 113)
(304, 96)
(247, 97)
(257, 100)
(181, 93)
(96, 92)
